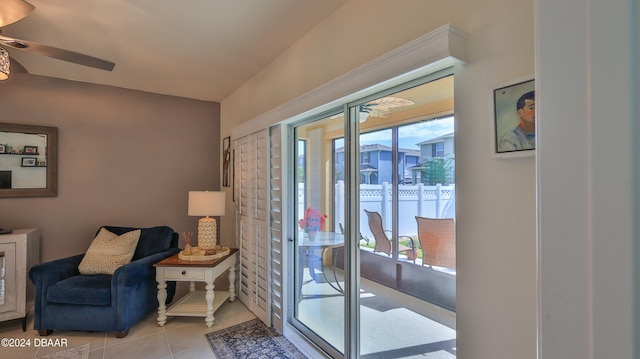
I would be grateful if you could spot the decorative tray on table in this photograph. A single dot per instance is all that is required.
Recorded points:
(197, 254)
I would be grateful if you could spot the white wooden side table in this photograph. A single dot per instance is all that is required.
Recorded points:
(195, 303)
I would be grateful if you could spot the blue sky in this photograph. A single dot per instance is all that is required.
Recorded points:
(409, 135)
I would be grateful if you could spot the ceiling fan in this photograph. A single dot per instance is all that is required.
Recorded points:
(381, 107)
(15, 10)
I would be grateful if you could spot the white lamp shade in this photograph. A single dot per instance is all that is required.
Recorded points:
(206, 203)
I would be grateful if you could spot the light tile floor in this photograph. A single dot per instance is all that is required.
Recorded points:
(184, 337)
(180, 338)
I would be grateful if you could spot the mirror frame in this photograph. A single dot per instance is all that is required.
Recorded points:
(52, 161)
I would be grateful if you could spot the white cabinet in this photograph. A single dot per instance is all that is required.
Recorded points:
(20, 251)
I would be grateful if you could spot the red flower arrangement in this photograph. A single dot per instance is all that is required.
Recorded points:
(313, 221)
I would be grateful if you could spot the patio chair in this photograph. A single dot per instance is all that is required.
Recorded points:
(383, 244)
(437, 238)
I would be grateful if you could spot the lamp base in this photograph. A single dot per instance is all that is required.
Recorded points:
(207, 233)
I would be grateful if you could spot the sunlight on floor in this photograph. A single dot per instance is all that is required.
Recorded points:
(393, 324)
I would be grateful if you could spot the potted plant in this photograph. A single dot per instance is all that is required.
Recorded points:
(412, 254)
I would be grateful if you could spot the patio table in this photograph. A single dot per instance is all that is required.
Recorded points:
(323, 241)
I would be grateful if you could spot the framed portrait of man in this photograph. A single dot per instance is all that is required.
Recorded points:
(514, 118)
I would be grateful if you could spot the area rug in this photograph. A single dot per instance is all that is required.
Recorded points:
(81, 352)
(251, 340)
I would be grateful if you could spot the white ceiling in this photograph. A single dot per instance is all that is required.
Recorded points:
(202, 49)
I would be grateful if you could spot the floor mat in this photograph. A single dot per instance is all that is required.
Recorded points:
(251, 340)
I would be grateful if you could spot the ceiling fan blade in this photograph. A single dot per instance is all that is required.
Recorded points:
(391, 102)
(56, 53)
(380, 112)
(13, 10)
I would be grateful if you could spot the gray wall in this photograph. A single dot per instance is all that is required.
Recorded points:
(125, 158)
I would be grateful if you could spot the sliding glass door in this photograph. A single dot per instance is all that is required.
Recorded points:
(319, 241)
(370, 277)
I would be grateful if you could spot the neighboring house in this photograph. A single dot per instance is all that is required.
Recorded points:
(437, 161)
(376, 166)
(441, 146)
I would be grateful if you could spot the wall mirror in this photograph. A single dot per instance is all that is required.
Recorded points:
(28, 161)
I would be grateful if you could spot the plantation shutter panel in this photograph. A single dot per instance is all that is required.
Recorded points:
(277, 245)
(251, 192)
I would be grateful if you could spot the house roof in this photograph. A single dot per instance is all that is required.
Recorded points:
(379, 147)
(436, 139)
(368, 168)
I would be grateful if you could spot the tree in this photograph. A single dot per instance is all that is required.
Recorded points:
(437, 170)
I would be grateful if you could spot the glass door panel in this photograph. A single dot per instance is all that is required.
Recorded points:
(319, 240)
(406, 156)
(427, 187)
(2, 281)
(8, 285)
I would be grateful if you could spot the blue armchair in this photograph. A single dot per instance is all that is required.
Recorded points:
(68, 300)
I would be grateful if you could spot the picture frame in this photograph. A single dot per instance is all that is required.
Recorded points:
(513, 118)
(226, 162)
(3, 148)
(30, 150)
(29, 161)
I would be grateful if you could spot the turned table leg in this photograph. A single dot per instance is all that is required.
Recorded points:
(232, 283)
(162, 303)
(209, 297)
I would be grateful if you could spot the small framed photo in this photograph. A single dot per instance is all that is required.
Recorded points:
(226, 162)
(30, 150)
(514, 118)
(3, 148)
(29, 161)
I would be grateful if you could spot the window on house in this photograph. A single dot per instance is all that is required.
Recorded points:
(366, 157)
(438, 149)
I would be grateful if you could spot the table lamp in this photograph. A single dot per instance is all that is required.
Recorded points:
(206, 203)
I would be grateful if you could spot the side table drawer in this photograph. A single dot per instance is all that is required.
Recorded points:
(184, 273)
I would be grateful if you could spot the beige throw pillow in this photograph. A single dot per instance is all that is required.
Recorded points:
(108, 252)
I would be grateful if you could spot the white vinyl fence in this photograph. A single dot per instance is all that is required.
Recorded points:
(413, 200)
